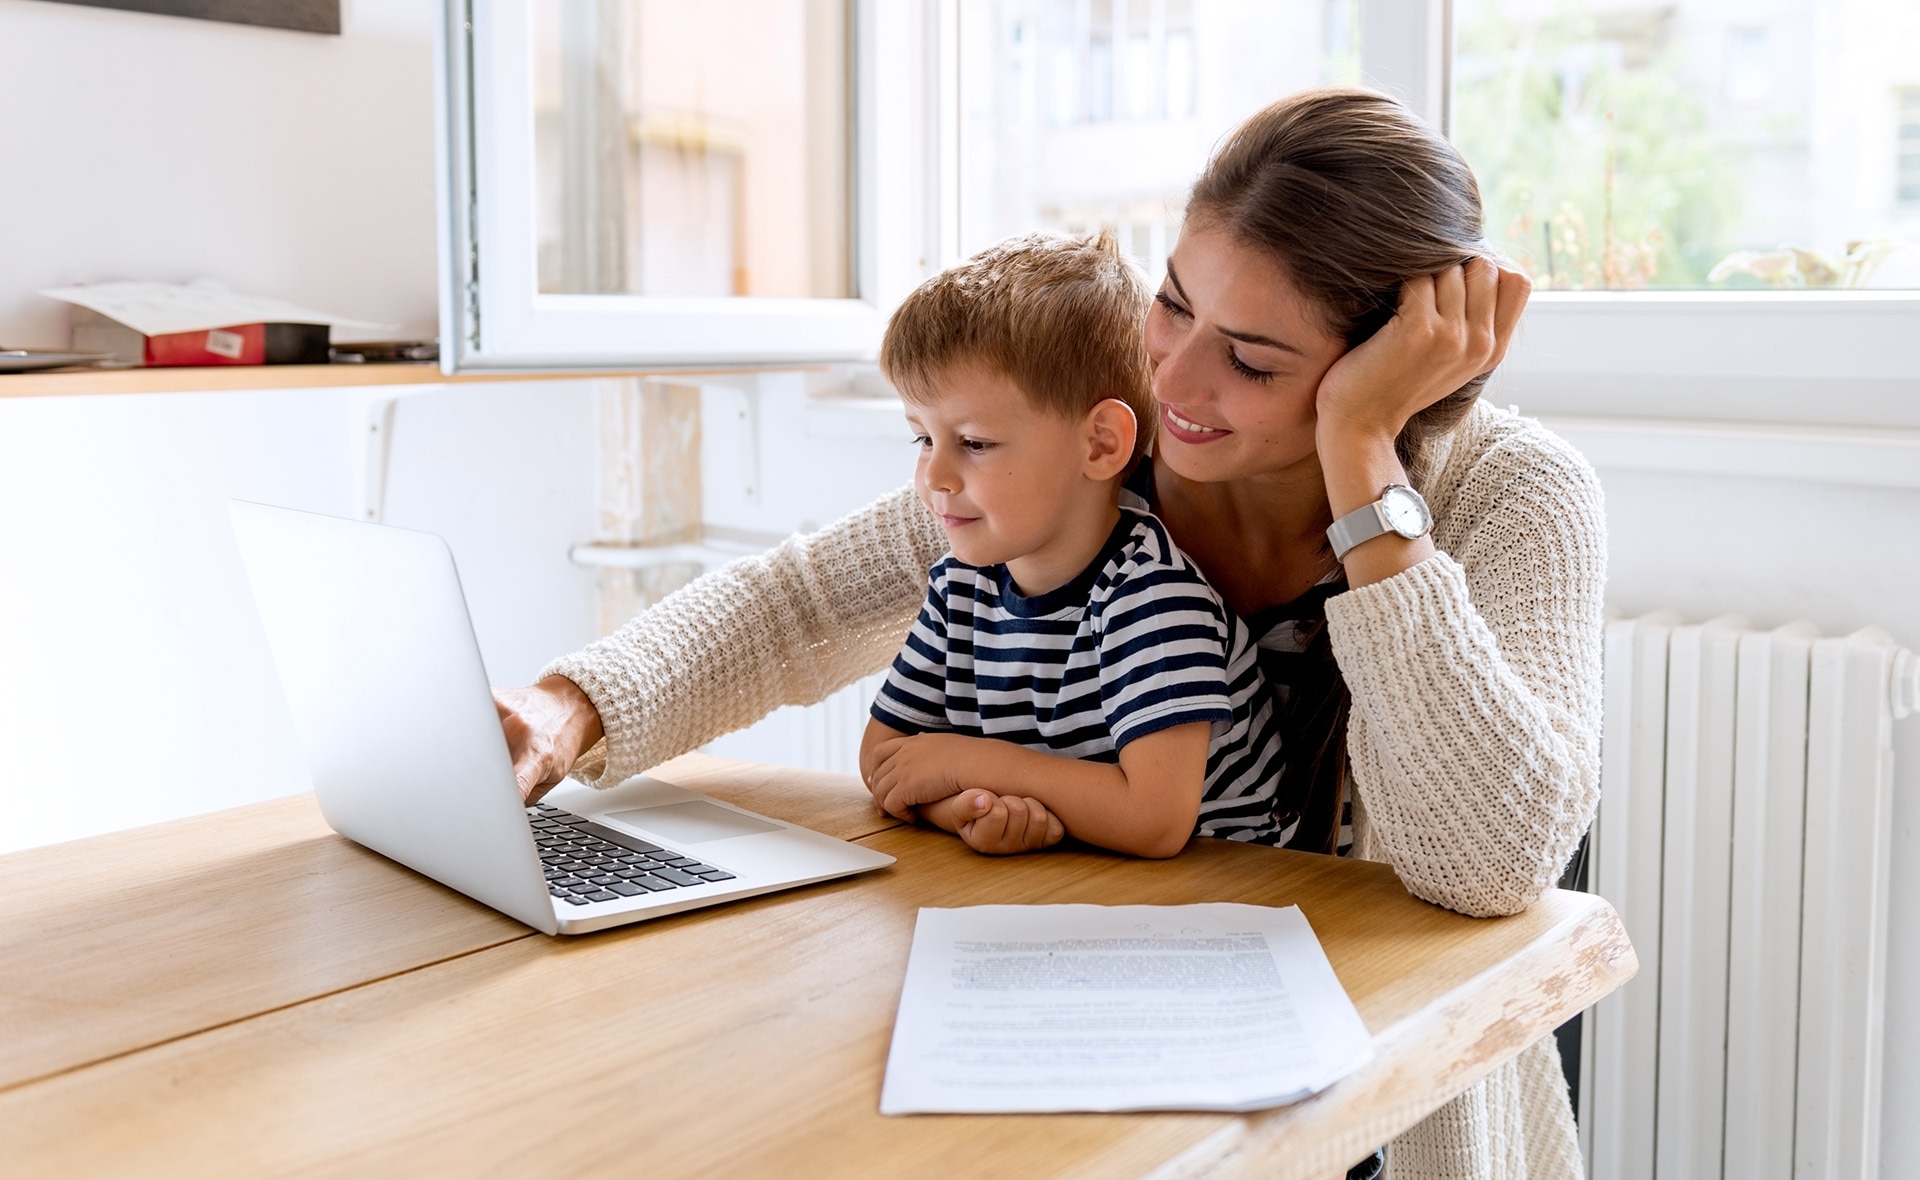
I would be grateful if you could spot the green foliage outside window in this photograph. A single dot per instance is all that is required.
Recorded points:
(1594, 157)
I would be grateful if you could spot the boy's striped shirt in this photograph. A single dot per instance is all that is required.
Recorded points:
(1137, 643)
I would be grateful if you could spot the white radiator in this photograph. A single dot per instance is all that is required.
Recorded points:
(1746, 786)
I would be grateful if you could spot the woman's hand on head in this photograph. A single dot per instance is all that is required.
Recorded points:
(1447, 329)
(548, 727)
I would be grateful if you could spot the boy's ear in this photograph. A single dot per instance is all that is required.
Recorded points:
(1110, 431)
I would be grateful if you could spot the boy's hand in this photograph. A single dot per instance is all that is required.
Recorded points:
(996, 825)
(913, 771)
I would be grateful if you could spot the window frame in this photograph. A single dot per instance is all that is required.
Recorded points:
(492, 315)
(1703, 353)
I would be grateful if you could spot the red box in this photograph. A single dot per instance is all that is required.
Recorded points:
(242, 344)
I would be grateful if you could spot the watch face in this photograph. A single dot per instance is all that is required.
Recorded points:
(1405, 511)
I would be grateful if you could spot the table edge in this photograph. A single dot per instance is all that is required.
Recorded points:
(1266, 1143)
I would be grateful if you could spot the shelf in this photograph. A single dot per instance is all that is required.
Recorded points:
(242, 378)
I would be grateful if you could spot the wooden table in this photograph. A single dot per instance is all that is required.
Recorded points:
(248, 994)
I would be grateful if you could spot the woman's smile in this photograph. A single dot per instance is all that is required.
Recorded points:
(1187, 430)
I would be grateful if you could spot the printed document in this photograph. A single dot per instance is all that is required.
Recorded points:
(1014, 1009)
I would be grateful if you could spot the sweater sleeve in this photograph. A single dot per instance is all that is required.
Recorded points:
(785, 628)
(1475, 675)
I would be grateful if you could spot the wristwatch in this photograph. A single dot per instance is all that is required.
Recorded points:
(1399, 509)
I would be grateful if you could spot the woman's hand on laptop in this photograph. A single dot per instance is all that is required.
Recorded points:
(548, 726)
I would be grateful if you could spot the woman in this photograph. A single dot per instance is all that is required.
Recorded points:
(1441, 689)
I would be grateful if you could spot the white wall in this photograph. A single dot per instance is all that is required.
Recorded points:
(286, 164)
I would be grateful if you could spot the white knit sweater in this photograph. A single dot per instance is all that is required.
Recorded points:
(1474, 735)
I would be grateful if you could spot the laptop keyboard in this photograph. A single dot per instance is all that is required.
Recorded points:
(587, 862)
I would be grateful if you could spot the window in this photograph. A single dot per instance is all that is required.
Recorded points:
(1692, 145)
(1693, 186)
(1621, 144)
(676, 156)
(1105, 60)
(649, 182)
(759, 181)
(1077, 114)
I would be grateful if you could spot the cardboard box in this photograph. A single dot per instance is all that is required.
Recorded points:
(238, 344)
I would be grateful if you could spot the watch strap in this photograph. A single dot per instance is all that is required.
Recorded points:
(1362, 524)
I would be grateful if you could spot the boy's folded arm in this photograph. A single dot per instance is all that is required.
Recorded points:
(1145, 806)
(1166, 778)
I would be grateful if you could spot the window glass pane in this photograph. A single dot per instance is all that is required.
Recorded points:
(692, 149)
(1076, 114)
(1907, 185)
(1702, 144)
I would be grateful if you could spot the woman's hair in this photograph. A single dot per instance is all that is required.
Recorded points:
(1058, 315)
(1352, 194)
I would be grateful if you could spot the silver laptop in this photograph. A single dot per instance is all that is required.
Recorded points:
(370, 633)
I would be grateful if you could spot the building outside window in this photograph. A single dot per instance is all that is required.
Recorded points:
(1907, 158)
(692, 149)
(1077, 114)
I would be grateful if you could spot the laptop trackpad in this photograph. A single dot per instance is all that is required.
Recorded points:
(693, 822)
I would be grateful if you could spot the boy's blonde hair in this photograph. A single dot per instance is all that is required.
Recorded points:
(1061, 316)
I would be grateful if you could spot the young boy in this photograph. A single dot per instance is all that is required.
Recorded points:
(1071, 671)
